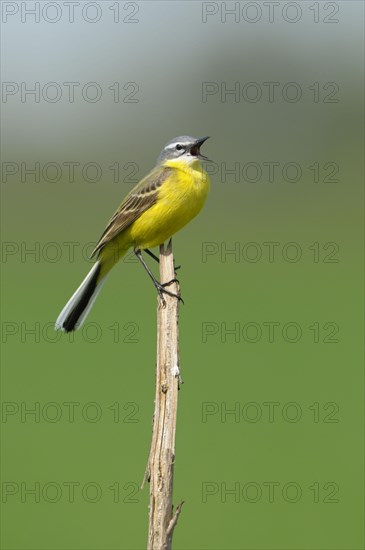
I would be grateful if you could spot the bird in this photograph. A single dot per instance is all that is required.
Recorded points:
(161, 204)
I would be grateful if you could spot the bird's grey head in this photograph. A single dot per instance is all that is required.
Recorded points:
(183, 148)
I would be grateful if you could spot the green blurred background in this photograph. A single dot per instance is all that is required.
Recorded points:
(297, 392)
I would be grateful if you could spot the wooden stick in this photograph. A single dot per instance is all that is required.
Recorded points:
(160, 468)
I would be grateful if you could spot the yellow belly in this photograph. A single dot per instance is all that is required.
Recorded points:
(180, 199)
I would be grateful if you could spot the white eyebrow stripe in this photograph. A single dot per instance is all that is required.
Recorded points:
(172, 145)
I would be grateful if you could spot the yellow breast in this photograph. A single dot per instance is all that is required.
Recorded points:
(180, 199)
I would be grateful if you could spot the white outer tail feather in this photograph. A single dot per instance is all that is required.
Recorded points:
(76, 297)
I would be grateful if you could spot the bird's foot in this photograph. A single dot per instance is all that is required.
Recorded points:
(161, 289)
(170, 282)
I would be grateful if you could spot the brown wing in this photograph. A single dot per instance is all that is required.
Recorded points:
(142, 197)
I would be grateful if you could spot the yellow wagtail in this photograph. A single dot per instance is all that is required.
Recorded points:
(171, 195)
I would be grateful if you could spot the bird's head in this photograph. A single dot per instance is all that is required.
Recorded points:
(184, 149)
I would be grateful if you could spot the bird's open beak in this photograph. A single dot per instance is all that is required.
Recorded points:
(195, 149)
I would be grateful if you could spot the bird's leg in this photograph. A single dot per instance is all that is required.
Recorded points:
(157, 259)
(152, 255)
(159, 287)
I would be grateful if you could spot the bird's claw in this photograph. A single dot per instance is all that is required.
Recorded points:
(162, 290)
(171, 282)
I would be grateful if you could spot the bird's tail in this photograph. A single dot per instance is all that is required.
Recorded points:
(75, 311)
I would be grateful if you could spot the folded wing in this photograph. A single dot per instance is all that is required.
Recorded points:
(140, 199)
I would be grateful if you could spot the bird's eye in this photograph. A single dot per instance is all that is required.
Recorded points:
(179, 147)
